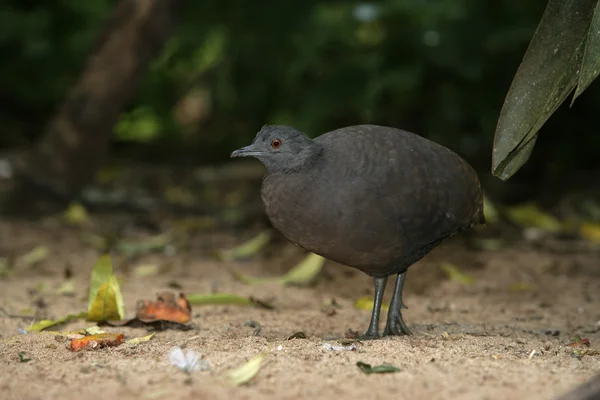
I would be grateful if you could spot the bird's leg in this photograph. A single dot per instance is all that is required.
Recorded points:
(395, 324)
(373, 331)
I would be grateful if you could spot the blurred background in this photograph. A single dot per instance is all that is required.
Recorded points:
(182, 84)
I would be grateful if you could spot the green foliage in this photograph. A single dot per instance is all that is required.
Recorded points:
(564, 55)
(438, 68)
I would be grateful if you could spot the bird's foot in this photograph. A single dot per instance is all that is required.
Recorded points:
(368, 335)
(397, 327)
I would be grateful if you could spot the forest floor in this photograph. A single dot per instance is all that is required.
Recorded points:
(504, 337)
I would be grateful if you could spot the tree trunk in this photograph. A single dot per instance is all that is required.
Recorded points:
(76, 139)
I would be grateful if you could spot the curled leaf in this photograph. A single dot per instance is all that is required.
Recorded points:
(529, 215)
(105, 300)
(303, 273)
(378, 369)
(246, 249)
(366, 303)
(45, 324)
(33, 257)
(141, 339)
(165, 308)
(76, 214)
(244, 373)
(94, 342)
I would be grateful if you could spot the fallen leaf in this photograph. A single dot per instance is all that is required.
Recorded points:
(108, 303)
(455, 274)
(334, 347)
(246, 249)
(141, 339)
(255, 325)
(367, 302)
(166, 308)
(45, 324)
(93, 330)
(580, 343)
(22, 357)
(490, 212)
(94, 342)
(146, 270)
(303, 273)
(590, 231)
(226, 298)
(76, 214)
(33, 257)
(135, 248)
(244, 373)
(105, 300)
(529, 215)
(297, 335)
(67, 288)
(378, 369)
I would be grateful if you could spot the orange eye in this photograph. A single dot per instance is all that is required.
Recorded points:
(275, 143)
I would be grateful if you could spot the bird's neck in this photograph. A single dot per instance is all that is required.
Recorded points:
(310, 158)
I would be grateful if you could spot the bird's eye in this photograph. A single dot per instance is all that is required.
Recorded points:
(275, 143)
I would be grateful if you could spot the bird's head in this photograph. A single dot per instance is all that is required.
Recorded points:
(281, 148)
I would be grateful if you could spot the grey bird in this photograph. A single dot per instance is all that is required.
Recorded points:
(371, 197)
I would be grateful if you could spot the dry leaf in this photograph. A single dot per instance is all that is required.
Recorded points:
(94, 342)
(244, 373)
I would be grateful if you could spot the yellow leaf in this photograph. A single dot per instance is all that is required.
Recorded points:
(67, 288)
(367, 302)
(33, 257)
(489, 211)
(246, 249)
(94, 330)
(146, 270)
(306, 271)
(244, 373)
(590, 231)
(108, 303)
(529, 215)
(45, 324)
(303, 273)
(455, 274)
(76, 214)
(102, 272)
(141, 339)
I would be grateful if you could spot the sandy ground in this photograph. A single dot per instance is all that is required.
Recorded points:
(484, 341)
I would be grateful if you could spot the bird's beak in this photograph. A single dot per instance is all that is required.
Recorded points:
(247, 151)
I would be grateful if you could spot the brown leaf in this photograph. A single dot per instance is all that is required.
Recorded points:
(94, 342)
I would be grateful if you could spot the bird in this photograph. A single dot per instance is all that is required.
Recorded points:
(371, 197)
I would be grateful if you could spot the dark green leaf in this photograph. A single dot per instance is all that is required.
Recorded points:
(548, 73)
(590, 66)
(22, 357)
(378, 369)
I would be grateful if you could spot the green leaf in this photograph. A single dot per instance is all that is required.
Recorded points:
(45, 324)
(33, 257)
(378, 369)
(530, 215)
(590, 66)
(302, 274)
(548, 73)
(22, 357)
(108, 304)
(246, 249)
(105, 300)
(247, 371)
(141, 339)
